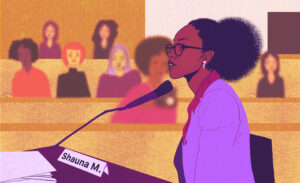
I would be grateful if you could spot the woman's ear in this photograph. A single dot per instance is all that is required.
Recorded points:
(208, 55)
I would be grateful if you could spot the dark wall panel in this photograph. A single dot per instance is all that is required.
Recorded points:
(284, 32)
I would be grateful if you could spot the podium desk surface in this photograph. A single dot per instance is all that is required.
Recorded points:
(117, 174)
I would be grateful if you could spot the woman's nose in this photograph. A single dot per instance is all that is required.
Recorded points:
(171, 54)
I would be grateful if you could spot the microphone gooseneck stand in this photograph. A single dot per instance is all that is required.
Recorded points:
(104, 112)
(163, 89)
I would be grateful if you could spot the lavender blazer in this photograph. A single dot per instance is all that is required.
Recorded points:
(217, 145)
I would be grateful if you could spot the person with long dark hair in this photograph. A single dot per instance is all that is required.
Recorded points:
(49, 48)
(104, 36)
(215, 146)
(271, 85)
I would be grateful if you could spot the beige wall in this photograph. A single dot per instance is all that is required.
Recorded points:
(165, 18)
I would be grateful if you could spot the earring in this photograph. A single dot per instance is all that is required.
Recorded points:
(203, 64)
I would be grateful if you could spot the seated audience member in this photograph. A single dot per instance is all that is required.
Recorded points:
(73, 83)
(271, 85)
(49, 48)
(104, 36)
(119, 78)
(152, 61)
(29, 81)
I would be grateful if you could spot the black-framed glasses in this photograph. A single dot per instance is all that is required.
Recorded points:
(178, 48)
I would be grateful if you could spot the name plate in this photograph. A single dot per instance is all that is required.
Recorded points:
(83, 162)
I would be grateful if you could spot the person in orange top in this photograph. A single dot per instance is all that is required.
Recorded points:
(29, 81)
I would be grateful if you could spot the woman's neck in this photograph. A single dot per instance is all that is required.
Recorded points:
(153, 82)
(271, 78)
(49, 43)
(119, 73)
(27, 68)
(104, 43)
(196, 79)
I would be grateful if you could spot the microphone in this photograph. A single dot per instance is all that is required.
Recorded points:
(163, 89)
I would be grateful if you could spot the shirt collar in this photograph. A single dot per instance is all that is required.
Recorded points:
(212, 77)
(25, 72)
(72, 70)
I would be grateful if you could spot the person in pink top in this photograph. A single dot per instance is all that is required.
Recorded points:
(29, 81)
(215, 146)
(152, 61)
(49, 48)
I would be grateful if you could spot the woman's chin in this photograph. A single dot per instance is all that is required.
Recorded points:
(174, 75)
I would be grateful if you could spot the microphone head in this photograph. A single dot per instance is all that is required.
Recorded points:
(164, 88)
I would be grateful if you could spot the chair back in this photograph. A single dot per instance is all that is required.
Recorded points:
(262, 159)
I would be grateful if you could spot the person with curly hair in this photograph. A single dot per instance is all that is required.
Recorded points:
(152, 61)
(29, 81)
(215, 145)
(104, 36)
(49, 47)
(271, 85)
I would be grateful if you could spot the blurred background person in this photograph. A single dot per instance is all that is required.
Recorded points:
(73, 83)
(152, 61)
(29, 81)
(119, 77)
(271, 85)
(104, 36)
(49, 47)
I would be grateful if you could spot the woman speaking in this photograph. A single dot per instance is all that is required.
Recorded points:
(215, 146)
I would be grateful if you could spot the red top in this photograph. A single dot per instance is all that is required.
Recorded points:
(213, 76)
(30, 84)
